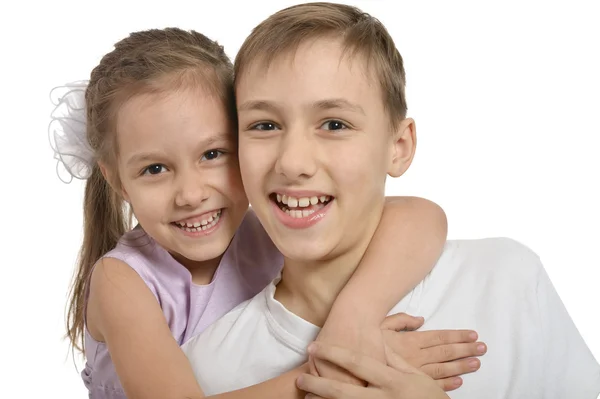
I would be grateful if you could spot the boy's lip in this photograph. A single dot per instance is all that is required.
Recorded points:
(301, 193)
(300, 222)
(198, 218)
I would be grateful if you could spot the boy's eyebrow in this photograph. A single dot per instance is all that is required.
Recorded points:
(152, 155)
(338, 103)
(261, 105)
(257, 105)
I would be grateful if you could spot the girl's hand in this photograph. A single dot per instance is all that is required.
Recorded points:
(362, 338)
(396, 379)
(443, 355)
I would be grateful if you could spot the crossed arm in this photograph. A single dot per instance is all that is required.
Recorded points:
(123, 313)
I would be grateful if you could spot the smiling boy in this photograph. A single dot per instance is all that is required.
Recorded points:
(322, 114)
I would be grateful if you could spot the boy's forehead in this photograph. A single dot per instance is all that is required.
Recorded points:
(314, 59)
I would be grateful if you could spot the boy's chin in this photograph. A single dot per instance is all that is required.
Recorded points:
(306, 250)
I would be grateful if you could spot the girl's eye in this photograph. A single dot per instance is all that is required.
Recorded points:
(154, 169)
(333, 125)
(212, 154)
(267, 126)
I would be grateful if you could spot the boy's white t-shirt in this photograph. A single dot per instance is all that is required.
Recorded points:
(495, 286)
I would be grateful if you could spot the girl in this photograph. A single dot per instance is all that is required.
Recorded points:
(156, 133)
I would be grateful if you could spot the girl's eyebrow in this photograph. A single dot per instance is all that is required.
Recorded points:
(142, 157)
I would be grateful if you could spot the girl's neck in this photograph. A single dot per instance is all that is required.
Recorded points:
(202, 272)
(309, 288)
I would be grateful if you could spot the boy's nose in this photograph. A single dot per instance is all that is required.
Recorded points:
(296, 159)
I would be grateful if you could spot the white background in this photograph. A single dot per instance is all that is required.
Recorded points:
(506, 97)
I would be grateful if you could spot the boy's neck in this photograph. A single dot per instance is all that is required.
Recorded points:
(309, 289)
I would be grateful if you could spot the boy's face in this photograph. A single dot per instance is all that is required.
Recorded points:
(315, 148)
(179, 171)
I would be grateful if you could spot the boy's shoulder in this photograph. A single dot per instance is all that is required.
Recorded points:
(495, 256)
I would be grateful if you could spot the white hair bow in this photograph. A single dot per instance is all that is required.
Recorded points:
(67, 132)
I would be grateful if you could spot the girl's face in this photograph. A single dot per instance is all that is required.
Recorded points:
(179, 171)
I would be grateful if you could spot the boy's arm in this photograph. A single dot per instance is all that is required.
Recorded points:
(406, 245)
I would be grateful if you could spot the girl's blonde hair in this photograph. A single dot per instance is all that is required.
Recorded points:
(152, 61)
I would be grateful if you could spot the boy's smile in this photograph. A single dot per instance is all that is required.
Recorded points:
(315, 146)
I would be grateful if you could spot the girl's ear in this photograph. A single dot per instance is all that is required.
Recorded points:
(110, 178)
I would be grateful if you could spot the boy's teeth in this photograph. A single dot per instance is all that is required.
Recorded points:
(302, 202)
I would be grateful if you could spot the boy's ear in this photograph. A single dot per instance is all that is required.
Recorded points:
(404, 144)
(110, 179)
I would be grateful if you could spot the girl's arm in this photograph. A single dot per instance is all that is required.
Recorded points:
(123, 313)
(406, 245)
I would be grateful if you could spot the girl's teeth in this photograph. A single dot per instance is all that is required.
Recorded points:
(202, 225)
(314, 200)
(292, 202)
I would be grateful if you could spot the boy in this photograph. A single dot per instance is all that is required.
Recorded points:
(322, 114)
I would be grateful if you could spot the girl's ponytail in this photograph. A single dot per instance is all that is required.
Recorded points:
(105, 222)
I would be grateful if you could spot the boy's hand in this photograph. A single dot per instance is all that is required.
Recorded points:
(364, 339)
(442, 354)
(393, 379)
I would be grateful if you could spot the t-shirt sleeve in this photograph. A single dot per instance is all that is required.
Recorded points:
(257, 258)
(570, 368)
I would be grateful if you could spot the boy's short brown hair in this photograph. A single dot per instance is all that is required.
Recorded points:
(362, 35)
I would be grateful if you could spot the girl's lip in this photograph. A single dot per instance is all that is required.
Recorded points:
(193, 232)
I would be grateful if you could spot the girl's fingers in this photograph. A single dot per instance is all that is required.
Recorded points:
(427, 339)
(450, 384)
(439, 371)
(319, 387)
(401, 322)
(450, 352)
(398, 363)
(364, 367)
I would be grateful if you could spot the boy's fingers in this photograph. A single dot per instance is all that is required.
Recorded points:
(447, 353)
(401, 322)
(440, 371)
(326, 388)
(427, 339)
(364, 367)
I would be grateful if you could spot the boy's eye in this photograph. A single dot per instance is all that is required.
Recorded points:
(264, 126)
(211, 154)
(154, 169)
(333, 125)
